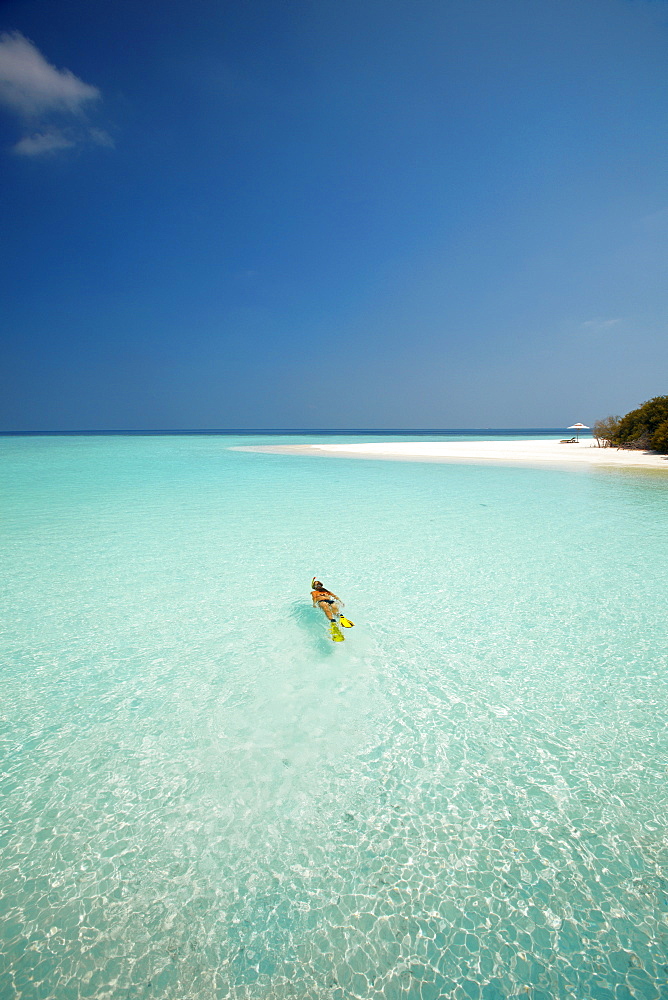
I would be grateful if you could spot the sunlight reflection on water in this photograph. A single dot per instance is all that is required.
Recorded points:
(205, 797)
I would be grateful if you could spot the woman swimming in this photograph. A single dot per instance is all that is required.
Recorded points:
(325, 599)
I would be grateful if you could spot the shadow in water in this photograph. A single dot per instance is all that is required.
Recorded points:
(312, 621)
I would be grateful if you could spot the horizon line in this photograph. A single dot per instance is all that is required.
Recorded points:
(271, 430)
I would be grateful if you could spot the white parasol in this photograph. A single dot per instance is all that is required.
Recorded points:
(578, 428)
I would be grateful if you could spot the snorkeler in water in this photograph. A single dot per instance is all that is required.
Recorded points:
(327, 602)
(325, 599)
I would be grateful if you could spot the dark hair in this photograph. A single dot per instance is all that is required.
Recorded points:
(318, 585)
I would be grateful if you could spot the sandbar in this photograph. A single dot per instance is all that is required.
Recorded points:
(541, 452)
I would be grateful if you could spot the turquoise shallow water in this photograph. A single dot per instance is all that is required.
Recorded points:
(203, 797)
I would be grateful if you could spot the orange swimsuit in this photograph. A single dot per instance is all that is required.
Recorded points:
(324, 600)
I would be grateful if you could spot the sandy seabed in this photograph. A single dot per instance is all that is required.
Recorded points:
(532, 452)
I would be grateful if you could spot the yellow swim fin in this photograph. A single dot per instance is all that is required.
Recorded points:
(345, 622)
(336, 634)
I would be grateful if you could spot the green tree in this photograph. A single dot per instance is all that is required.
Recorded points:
(644, 427)
(605, 431)
(660, 438)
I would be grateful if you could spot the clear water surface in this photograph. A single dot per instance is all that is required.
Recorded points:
(202, 797)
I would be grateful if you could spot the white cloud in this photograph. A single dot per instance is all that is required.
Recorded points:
(596, 325)
(30, 85)
(49, 102)
(43, 142)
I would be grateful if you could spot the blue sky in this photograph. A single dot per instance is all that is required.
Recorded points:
(387, 213)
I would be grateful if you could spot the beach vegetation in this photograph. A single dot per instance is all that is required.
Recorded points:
(605, 430)
(645, 428)
(660, 438)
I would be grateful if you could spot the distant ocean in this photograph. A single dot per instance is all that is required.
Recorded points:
(418, 433)
(203, 797)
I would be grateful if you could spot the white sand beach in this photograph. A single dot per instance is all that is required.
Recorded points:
(539, 452)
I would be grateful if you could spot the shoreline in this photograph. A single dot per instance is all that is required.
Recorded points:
(537, 453)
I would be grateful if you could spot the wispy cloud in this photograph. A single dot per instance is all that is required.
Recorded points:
(597, 325)
(43, 142)
(101, 138)
(50, 103)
